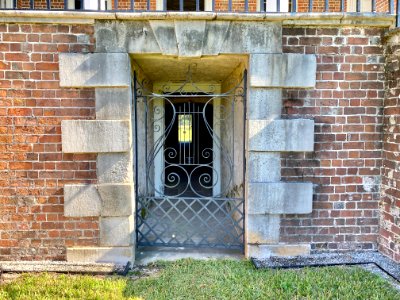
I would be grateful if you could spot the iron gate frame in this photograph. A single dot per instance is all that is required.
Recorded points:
(140, 92)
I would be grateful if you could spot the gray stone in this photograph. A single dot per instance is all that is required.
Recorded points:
(263, 229)
(253, 37)
(89, 136)
(280, 198)
(264, 166)
(214, 37)
(281, 135)
(164, 31)
(94, 70)
(81, 201)
(116, 231)
(116, 255)
(113, 103)
(116, 199)
(283, 70)
(266, 251)
(190, 36)
(264, 104)
(114, 167)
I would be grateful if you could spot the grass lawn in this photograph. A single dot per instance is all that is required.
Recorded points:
(216, 279)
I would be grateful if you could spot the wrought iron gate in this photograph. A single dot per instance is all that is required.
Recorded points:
(190, 165)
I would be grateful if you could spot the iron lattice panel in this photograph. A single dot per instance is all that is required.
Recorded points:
(190, 222)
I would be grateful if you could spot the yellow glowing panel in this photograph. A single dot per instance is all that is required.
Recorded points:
(184, 128)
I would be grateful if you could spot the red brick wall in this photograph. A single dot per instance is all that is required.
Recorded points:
(345, 166)
(389, 241)
(33, 169)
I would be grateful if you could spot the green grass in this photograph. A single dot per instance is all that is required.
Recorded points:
(219, 279)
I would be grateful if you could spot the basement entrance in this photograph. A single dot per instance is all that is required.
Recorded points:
(189, 141)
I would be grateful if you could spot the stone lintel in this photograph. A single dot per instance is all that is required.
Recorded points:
(95, 136)
(283, 70)
(280, 198)
(116, 255)
(262, 229)
(266, 251)
(98, 200)
(295, 135)
(94, 70)
(113, 103)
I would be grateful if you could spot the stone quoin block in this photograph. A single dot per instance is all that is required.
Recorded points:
(95, 136)
(190, 36)
(263, 166)
(94, 70)
(81, 200)
(214, 37)
(264, 104)
(266, 251)
(98, 200)
(116, 255)
(117, 231)
(263, 229)
(113, 103)
(280, 198)
(114, 167)
(283, 70)
(295, 135)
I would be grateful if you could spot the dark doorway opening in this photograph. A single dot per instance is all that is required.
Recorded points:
(189, 148)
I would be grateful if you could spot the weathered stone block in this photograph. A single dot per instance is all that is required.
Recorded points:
(214, 37)
(253, 37)
(89, 136)
(116, 231)
(264, 167)
(164, 31)
(116, 255)
(81, 201)
(114, 167)
(264, 104)
(266, 251)
(281, 135)
(98, 200)
(263, 229)
(125, 36)
(280, 198)
(113, 103)
(190, 36)
(94, 70)
(117, 199)
(283, 70)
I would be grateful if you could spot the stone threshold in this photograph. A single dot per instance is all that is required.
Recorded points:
(287, 19)
(332, 259)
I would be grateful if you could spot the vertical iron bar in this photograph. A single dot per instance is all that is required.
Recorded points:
(198, 137)
(184, 132)
(398, 13)
(213, 5)
(294, 6)
(278, 5)
(341, 5)
(31, 4)
(48, 4)
(148, 5)
(165, 5)
(197, 5)
(230, 5)
(136, 145)
(358, 5)
(373, 6)
(310, 5)
(181, 5)
(82, 4)
(98, 5)
(262, 6)
(14, 4)
(246, 5)
(391, 6)
(132, 5)
(115, 4)
(326, 5)
(180, 144)
(244, 149)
